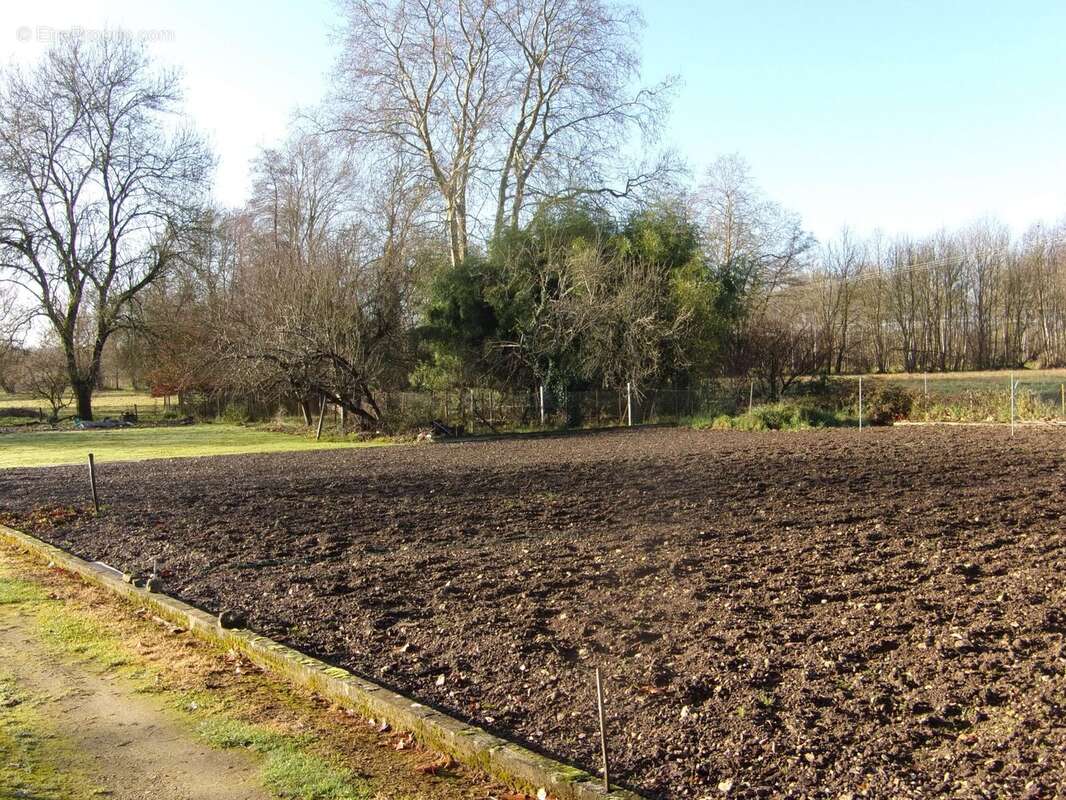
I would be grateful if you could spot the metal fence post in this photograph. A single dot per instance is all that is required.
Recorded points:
(1012, 403)
(542, 405)
(860, 402)
(629, 403)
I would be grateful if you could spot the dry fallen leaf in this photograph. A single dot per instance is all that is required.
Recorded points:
(435, 766)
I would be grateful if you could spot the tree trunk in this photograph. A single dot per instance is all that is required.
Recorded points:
(83, 392)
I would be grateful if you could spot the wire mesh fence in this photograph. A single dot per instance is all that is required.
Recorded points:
(487, 410)
(481, 410)
(1037, 395)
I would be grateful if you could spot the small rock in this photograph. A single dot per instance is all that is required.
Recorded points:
(154, 584)
(726, 786)
(440, 680)
(230, 618)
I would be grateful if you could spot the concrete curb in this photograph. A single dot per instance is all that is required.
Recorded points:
(474, 747)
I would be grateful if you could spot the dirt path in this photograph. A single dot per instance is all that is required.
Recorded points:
(99, 698)
(128, 746)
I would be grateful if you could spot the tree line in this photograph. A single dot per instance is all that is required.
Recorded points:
(462, 210)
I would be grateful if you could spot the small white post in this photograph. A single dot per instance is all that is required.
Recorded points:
(860, 402)
(925, 380)
(629, 403)
(542, 405)
(751, 397)
(1012, 403)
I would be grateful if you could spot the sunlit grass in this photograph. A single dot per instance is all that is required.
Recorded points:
(104, 400)
(290, 768)
(290, 763)
(50, 448)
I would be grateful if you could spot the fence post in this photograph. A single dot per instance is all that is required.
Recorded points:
(542, 405)
(603, 732)
(1062, 393)
(92, 484)
(860, 402)
(751, 397)
(629, 403)
(1012, 403)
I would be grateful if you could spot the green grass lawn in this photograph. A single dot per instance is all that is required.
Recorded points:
(47, 449)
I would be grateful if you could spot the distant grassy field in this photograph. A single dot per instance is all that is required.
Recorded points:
(71, 447)
(106, 403)
(1046, 384)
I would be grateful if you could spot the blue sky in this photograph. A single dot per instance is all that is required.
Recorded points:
(906, 116)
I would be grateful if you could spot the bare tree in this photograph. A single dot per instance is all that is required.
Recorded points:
(760, 251)
(497, 102)
(14, 325)
(45, 377)
(759, 244)
(321, 303)
(843, 263)
(571, 101)
(98, 194)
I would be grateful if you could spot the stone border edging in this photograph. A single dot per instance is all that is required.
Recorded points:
(474, 747)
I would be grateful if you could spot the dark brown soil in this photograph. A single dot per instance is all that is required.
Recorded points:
(822, 614)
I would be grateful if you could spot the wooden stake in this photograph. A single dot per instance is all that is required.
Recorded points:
(321, 418)
(751, 397)
(92, 484)
(629, 403)
(1062, 392)
(603, 731)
